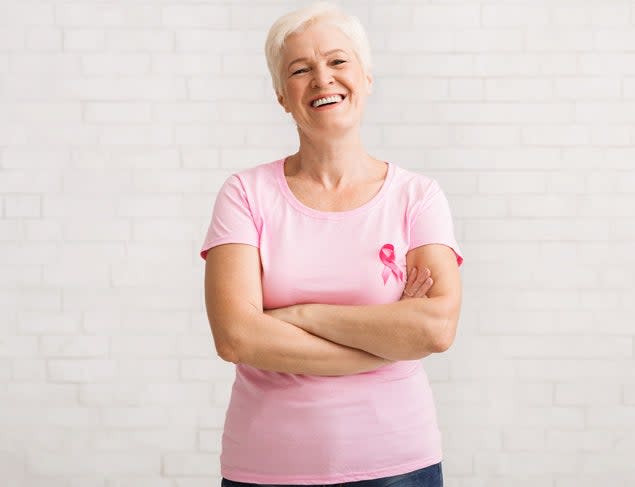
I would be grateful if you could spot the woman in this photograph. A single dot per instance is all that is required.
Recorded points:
(317, 285)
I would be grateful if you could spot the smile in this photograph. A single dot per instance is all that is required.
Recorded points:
(329, 106)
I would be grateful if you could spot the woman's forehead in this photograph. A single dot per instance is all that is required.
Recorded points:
(319, 39)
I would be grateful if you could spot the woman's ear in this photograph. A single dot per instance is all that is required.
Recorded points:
(369, 78)
(282, 102)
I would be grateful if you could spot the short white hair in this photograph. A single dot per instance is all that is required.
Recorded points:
(298, 20)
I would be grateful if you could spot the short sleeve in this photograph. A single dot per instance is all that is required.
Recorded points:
(232, 218)
(432, 222)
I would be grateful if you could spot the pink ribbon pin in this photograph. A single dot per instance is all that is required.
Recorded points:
(387, 257)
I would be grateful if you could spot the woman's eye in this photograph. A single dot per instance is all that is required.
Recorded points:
(339, 61)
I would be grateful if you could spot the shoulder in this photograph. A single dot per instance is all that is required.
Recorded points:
(413, 184)
(254, 180)
(257, 177)
(253, 187)
(262, 169)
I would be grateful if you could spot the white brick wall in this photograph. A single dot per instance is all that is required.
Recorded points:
(120, 119)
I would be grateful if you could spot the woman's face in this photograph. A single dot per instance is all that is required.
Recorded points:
(321, 61)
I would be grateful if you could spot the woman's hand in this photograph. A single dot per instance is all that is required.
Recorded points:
(417, 284)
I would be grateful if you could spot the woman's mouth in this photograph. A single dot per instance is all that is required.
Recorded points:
(329, 105)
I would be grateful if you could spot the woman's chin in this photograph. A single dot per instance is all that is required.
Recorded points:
(333, 126)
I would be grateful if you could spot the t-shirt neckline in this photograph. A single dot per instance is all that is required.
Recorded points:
(334, 215)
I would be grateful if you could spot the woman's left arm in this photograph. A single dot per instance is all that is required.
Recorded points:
(408, 329)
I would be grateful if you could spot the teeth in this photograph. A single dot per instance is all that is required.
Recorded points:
(328, 99)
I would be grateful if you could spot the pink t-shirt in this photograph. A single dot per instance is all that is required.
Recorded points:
(283, 428)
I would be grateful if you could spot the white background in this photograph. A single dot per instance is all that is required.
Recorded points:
(119, 120)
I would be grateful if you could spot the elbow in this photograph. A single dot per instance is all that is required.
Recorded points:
(227, 354)
(224, 343)
(435, 343)
(446, 331)
(229, 357)
(230, 351)
(231, 337)
(439, 330)
(442, 343)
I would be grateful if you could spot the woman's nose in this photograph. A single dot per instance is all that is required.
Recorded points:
(322, 76)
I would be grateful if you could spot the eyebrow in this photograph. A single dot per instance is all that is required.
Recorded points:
(304, 59)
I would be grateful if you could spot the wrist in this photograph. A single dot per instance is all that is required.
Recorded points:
(298, 315)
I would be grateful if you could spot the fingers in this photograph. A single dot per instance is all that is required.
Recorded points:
(418, 283)
(411, 277)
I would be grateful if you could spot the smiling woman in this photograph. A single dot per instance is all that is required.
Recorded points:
(320, 63)
(329, 274)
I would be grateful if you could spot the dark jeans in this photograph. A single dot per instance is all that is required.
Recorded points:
(431, 476)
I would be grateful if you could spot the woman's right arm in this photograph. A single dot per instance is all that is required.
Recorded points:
(244, 334)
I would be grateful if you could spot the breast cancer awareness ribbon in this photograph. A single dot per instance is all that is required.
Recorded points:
(387, 257)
